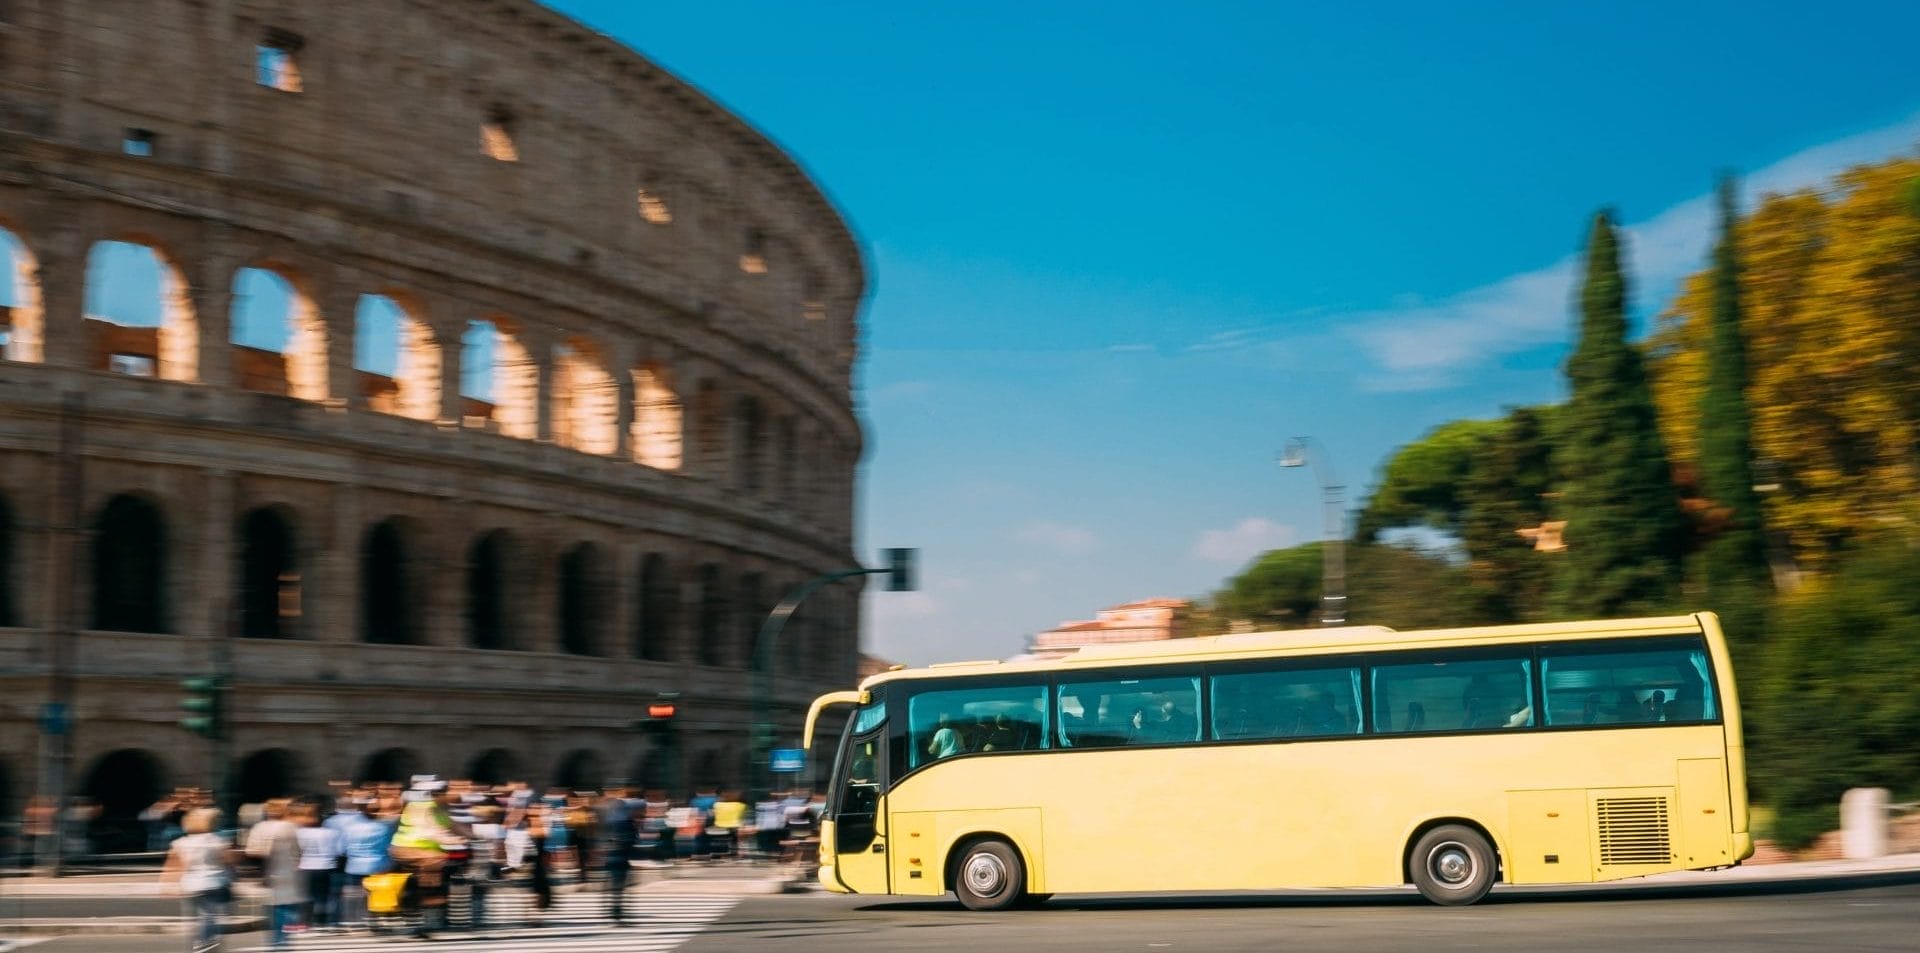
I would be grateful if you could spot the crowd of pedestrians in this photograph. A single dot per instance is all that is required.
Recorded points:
(315, 855)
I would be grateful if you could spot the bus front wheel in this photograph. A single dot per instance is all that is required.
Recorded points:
(989, 876)
(1453, 865)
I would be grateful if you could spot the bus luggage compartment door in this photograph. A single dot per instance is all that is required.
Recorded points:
(1547, 837)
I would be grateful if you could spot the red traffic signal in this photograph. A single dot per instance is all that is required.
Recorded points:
(660, 710)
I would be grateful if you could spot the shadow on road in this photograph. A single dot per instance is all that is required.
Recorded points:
(1407, 898)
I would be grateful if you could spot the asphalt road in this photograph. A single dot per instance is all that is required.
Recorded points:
(1869, 919)
(1749, 918)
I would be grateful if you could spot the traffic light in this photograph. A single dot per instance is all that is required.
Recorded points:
(659, 720)
(900, 570)
(205, 705)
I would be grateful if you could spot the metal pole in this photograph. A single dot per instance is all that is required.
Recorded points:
(761, 736)
(1333, 554)
(63, 567)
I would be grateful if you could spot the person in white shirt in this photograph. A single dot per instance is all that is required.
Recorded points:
(320, 850)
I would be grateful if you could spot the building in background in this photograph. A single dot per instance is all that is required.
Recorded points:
(1149, 620)
(556, 402)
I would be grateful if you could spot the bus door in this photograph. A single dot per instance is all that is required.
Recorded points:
(859, 804)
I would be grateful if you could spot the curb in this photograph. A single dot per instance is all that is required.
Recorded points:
(121, 926)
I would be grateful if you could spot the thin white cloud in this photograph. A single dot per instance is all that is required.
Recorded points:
(1430, 346)
(1071, 540)
(1246, 539)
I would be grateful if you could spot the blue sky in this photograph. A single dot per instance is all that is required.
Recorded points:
(1122, 251)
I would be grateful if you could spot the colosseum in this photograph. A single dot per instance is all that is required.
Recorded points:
(451, 375)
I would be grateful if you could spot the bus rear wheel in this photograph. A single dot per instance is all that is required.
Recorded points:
(1452, 865)
(989, 876)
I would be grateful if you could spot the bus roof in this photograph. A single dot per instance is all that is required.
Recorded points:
(1296, 641)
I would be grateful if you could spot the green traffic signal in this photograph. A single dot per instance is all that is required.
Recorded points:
(203, 705)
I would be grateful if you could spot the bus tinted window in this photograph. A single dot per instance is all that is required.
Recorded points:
(1129, 711)
(1305, 704)
(976, 719)
(1589, 685)
(1452, 692)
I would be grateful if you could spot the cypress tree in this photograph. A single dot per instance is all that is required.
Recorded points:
(1734, 560)
(1624, 529)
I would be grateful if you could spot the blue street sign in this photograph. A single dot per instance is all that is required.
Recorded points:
(788, 760)
(53, 718)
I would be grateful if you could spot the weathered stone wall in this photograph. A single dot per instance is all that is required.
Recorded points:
(679, 305)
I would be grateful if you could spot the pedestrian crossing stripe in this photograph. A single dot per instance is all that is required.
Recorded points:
(575, 922)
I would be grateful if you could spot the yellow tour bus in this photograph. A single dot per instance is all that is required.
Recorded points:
(1347, 757)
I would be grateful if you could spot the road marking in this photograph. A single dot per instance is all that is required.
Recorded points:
(576, 922)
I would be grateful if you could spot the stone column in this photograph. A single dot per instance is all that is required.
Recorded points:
(209, 297)
(451, 329)
(621, 361)
(338, 297)
(334, 599)
(62, 277)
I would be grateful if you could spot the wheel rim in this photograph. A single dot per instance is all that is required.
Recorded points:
(1451, 864)
(985, 875)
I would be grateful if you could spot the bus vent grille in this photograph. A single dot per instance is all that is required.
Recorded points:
(1633, 830)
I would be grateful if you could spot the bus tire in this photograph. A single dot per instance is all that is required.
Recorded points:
(1032, 900)
(1452, 865)
(989, 876)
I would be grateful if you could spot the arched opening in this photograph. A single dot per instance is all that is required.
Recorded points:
(580, 770)
(389, 766)
(584, 399)
(751, 614)
(388, 614)
(486, 591)
(794, 640)
(140, 317)
(269, 576)
(493, 766)
(657, 419)
(499, 381)
(580, 600)
(129, 567)
(120, 785)
(23, 332)
(706, 770)
(786, 448)
(6, 565)
(749, 444)
(659, 598)
(266, 774)
(279, 339)
(654, 769)
(397, 358)
(713, 616)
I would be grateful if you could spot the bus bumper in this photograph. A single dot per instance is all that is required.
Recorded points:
(830, 881)
(1742, 846)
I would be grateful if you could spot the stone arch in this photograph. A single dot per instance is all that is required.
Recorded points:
(493, 766)
(268, 773)
(786, 454)
(129, 566)
(715, 611)
(141, 319)
(390, 584)
(396, 355)
(585, 399)
(581, 600)
(121, 784)
(581, 769)
(794, 639)
(25, 333)
(658, 420)
(270, 590)
(389, 766)
(487, 596)
(499, 380)
(659, 602)
(278, 336)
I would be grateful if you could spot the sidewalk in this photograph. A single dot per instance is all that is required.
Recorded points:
(684, 878)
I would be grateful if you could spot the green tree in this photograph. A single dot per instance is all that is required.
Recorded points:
(1420, 484)
(1507, 489)
(1624, 531)
(1407, 589)
(1281, 590)
(1733, 562)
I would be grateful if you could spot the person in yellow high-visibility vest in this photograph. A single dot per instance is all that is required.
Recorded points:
(420, 845)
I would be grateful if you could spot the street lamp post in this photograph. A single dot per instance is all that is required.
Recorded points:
(899, 572)
(1304, 451)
